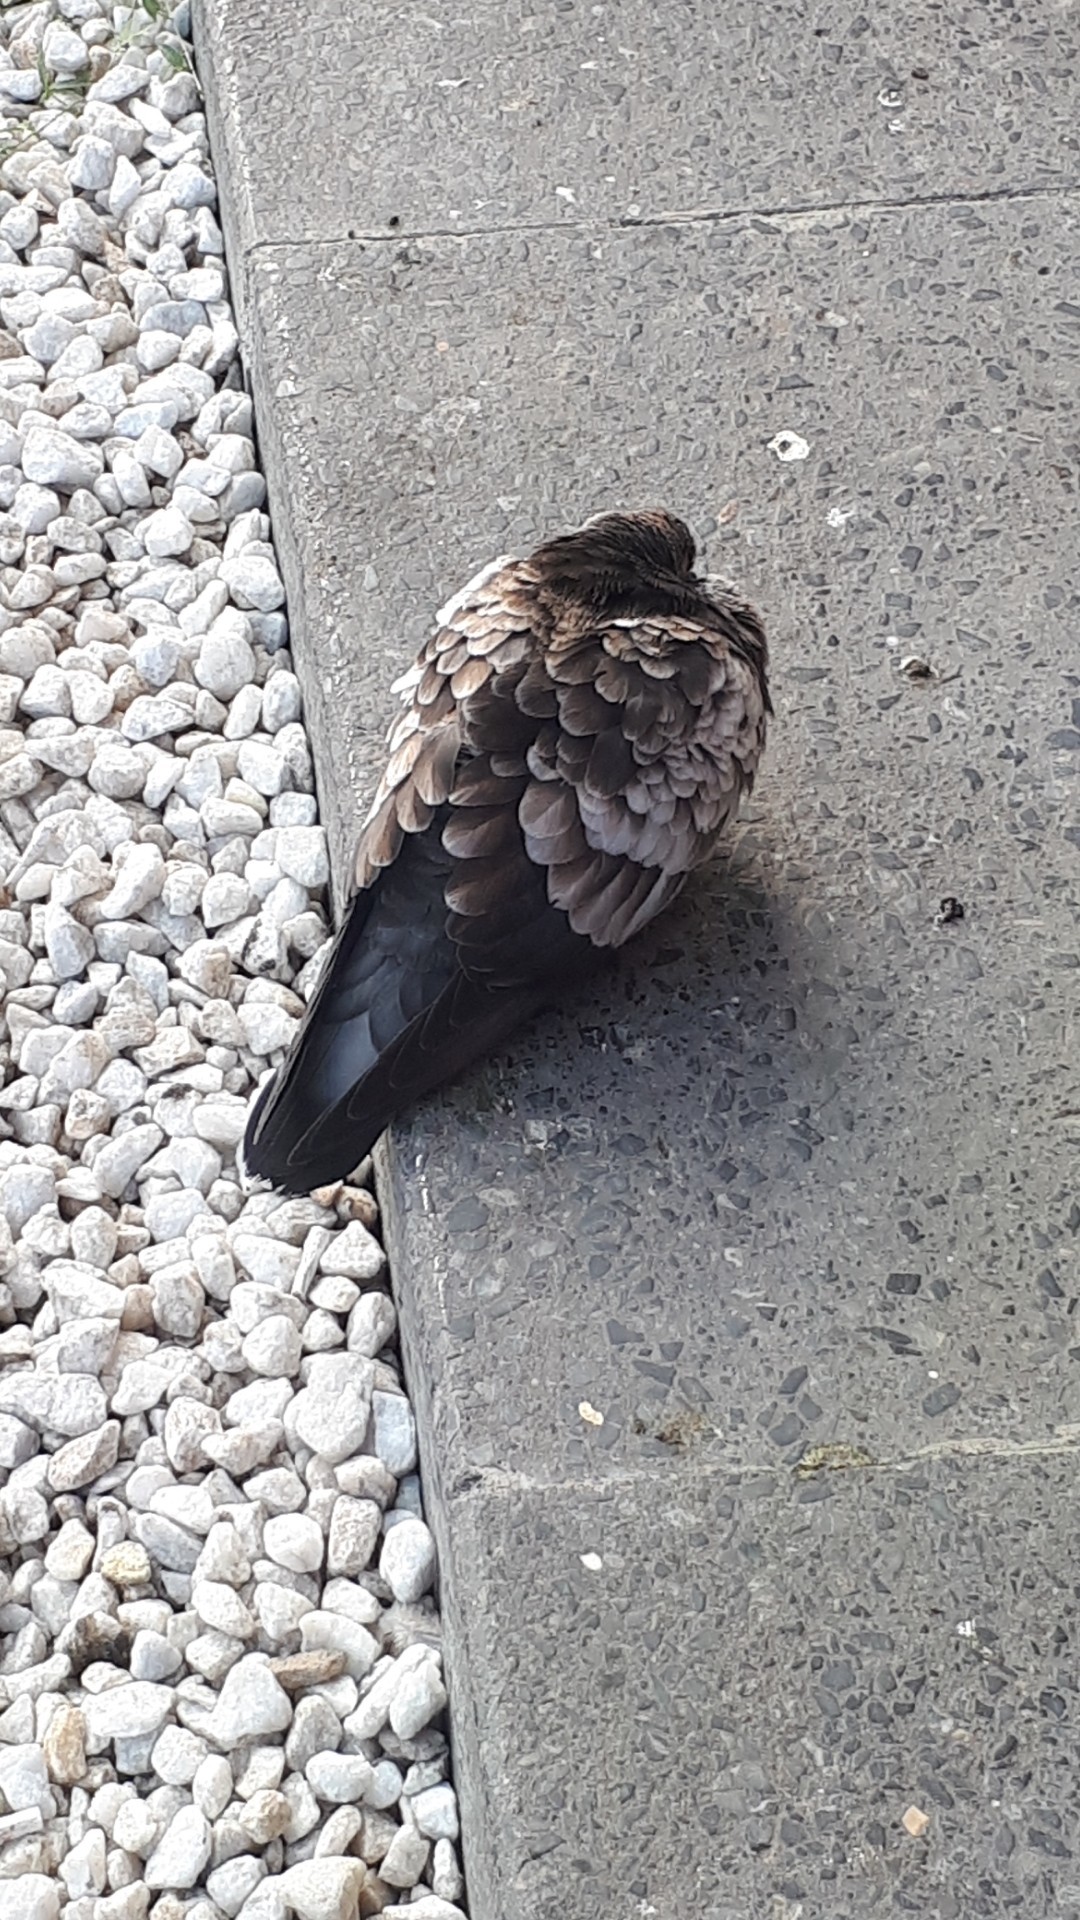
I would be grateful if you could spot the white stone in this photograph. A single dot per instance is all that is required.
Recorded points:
(273, 1348)
(62, 50)
(373, 1711)
(48, 337)
(372, 1324)
(156, 349)
(354, 1253)
(92, 163)
(91, 698)
(157, 653)
(139, 873)
(261, 766)
(182, 1852)
(81, 227)
(167, 532)
(34, 508)
(355, 1526)
(295, 1541)
(177, 1756)
(395, 1431)
(20, 83)
(54, 459)
(322, 1629)
(159, 452)
(24, 1779)
(31, 1896)
(280, 1610)
(428, 1907)
(152, 1658)
(219, 1607)
(267, 1028)
(125, 1712)
(405, 1859)
(120, 1159)
(323, 1889)
(70, 1551)
(83, 1869)
(419, 1696)
(446, 1876)
(80, 358)
(251, 1703)
(212, 1785)
(226, 898)
(230, 1884)
(331, 1413)
(136, 1827)
(178, 1302)
(435, 1811)
(226, 662)
(186, 1422)
(302, 854)
(70, 947)
(340, 1778)
(271, 1262)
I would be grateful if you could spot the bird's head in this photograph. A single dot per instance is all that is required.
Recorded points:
(622, 565)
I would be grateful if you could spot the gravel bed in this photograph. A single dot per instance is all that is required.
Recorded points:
(221, 1693)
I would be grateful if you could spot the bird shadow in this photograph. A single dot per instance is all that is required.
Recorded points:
(694, 1040)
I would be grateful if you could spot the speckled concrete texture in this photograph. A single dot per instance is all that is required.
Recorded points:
(768, 1680)
(507, 112)
(796, 1186)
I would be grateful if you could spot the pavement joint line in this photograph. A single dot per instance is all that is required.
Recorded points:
(500, 1481)
(795, 213)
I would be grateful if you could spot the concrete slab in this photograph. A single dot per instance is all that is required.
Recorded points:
(768, 1674)
(797, 1183)
(444, 119)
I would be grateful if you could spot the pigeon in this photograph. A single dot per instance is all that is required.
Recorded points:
(577, 734)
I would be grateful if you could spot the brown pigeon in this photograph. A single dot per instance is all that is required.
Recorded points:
(577, 733)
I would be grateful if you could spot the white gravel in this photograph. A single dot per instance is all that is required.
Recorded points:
(221, 1690)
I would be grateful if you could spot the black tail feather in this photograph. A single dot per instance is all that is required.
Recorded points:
(393, 1017)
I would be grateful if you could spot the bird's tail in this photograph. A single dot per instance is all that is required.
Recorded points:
(393, 1017)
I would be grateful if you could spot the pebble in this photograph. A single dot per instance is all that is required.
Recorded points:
(322, 1630)
(226, 661)
(126, 1711)
(253, 581)
(167, 532)
(301, 853)
(355, 1253)
(331, 1413)
(405, 1859)
(294, 1540)
(251, 1703)
(208, 1570)
(407, 1561)
(394, 1431)
(326, 1889)
(33, 1896)
(52, 458)
(182, 1852)
(418, 1697)
(436, 1813)
(69, 946)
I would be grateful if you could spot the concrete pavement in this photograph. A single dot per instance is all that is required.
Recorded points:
(791, 1199)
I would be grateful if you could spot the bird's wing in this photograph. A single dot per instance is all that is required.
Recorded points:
(486, 628)
(657, 731)
(609, 757)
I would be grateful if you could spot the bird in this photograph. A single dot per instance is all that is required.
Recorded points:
(576, 735)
